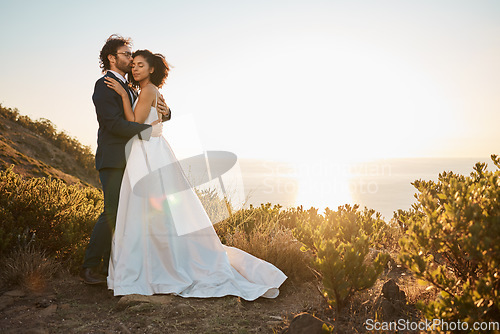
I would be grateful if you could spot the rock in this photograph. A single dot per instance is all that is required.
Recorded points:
(164, 299)
(131, 300)
(48, 310)
(389, 311)
(142, 307)
(305, 323)
(391, 292)
(391, 301)
(43, 303)
(15, 293)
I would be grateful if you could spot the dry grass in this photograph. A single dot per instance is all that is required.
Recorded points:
(29, 268)
(419, 291)
(258, 232)
(279, 248)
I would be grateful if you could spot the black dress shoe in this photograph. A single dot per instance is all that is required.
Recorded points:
(91, 277)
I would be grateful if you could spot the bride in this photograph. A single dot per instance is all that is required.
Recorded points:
(164, 241)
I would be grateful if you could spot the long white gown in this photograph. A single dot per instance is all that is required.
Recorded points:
(164, 241)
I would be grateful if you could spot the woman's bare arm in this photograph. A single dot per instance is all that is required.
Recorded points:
(113, 84)
(143, 106)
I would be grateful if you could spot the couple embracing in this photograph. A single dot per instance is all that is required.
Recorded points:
(154, 236)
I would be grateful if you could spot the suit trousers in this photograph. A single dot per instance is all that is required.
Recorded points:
(99, 247)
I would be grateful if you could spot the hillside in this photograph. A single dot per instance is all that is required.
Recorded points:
(38, 150)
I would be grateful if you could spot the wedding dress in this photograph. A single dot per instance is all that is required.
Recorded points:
(164, 241)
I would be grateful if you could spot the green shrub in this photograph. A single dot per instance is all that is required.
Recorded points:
(453, 242)
(342, 243)
(60, 217)
(264, 218)
(304, 223)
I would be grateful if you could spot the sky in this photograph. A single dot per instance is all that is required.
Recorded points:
(282, 80)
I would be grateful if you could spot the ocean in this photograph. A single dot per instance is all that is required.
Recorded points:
(382, 185)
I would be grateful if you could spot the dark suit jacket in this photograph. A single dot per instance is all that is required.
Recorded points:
(114, 130)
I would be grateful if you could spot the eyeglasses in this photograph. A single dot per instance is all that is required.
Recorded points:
(126, 53)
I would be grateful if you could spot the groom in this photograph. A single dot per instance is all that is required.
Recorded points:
(113, 134)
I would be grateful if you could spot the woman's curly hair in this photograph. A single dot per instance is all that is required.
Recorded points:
(158, 62)
(110, 48)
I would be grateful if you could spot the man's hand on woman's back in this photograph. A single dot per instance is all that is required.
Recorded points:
(157, 128)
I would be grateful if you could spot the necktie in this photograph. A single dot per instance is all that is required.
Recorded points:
(132, 96)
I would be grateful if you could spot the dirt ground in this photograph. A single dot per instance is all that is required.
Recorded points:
(66, 305)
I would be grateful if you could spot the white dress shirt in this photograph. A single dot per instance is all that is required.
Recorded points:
(118, 75)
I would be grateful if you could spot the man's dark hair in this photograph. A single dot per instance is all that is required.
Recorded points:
(160, 65)
(110, 48)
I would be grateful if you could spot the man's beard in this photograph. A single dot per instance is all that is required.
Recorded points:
(125, 67)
